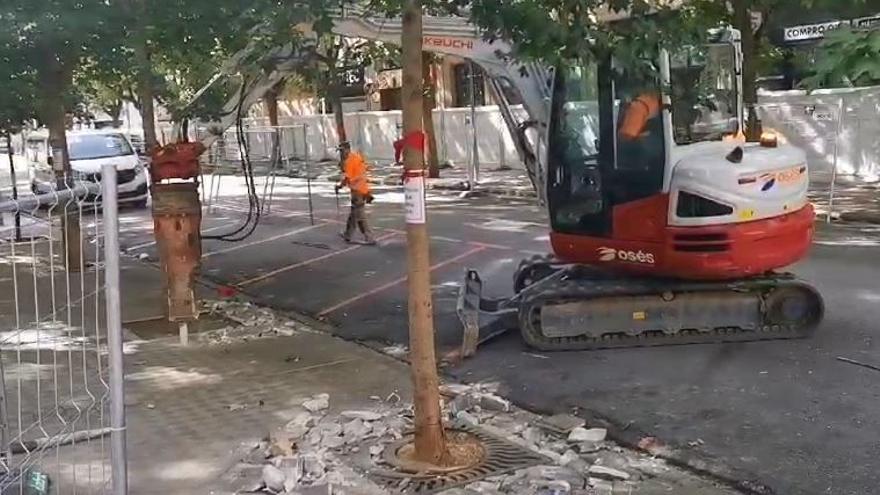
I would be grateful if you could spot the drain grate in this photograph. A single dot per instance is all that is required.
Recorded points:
(502, 456)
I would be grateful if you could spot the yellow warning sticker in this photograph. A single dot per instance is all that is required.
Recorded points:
(639, 315)
(746, 214)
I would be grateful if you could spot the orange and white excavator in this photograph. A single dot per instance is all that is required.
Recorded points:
(665, 227)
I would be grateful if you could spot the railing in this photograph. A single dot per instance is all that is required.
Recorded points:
(62, 426)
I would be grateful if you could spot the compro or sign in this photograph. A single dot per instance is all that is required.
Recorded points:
(812, 31)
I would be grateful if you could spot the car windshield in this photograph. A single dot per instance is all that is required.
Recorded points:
(704, 93)
(93, 146)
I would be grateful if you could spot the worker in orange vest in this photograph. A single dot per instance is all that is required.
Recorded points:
(638, 114)
(354, 176)
(640, 130)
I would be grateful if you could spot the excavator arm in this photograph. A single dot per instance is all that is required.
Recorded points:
(441, 35)
(455, 36)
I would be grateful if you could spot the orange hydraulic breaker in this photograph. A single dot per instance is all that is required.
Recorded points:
(177, 218)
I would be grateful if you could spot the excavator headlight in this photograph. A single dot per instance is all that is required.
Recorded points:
(769, 139)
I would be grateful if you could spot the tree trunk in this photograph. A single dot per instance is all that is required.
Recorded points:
(144, 75)
(742, 18)
(115, 111)
(428, 115)
(271, 100)
(54, 83)
(336, 108)
(145, 95)
(430, 440)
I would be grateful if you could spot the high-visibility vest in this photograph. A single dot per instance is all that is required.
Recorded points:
(355, 169)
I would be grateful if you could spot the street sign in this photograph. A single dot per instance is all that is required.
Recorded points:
(866, 22)
(812, 31)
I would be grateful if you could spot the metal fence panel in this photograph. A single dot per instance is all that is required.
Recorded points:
(55, 397)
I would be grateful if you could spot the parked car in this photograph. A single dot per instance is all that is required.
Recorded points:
(88, 152)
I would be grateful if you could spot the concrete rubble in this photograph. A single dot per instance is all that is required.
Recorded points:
(321, 450)
(246, 322)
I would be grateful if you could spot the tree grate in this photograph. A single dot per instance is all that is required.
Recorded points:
(502, 456)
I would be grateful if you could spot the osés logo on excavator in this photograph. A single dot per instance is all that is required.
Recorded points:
(611, 254)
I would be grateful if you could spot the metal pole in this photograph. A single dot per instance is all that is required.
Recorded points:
(118, 461)
(14, 181)
(473, 174)
(444, 145)
(502, 156)
(308, 172)
(840, 111)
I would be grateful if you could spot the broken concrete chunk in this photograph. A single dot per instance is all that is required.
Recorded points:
(362, 415)
(317, 403)
(492, 402)
(281, 444)
(322, 489)
(458, 491)
(312, 467)
(608, 472)
(585, 435)
(396, 351)
(455, 389)
(285, 331)
(483, 487)
(299, 425)
(462, 402)
(551, 487)
(601, 487)
(467, 417)
(376, 450)
(273, 478)
(562, 423)
(553, 456)
(569, 457)
(355, 430)
(333, 442)
(589, 447)
(533, 435)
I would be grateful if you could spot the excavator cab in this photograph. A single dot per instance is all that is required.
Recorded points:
(611, 130)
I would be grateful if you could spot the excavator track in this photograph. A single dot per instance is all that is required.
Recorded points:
(601, 311)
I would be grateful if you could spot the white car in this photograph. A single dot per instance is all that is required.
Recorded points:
(88, 152)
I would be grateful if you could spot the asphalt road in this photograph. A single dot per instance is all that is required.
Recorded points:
(782, 417)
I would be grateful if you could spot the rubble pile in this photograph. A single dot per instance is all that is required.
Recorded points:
(309, 454)
(248, 322)
(319, 452)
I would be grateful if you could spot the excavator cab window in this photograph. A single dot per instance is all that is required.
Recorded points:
(704, 93)
(606, 145)
(575, 191)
